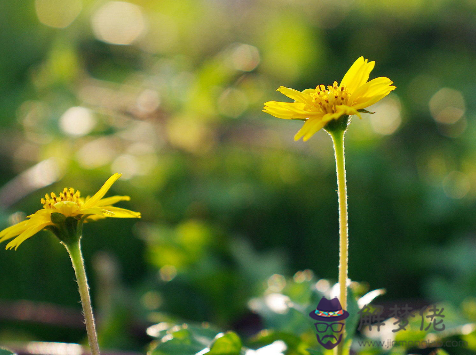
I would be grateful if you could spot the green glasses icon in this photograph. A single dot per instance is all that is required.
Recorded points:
(322, 327)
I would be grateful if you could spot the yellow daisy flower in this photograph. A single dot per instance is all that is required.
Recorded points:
(320, 105)
(69, 203)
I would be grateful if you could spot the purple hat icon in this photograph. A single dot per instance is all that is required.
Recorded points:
(329, 311)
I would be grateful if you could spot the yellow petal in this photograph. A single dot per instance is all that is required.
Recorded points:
(318, 125)
(309, 128)
(25, 235)
(370, 88)
(116, 212)
(102, 191)
(112, 200)
(93, 211)
(291, 110)
(297, 96)
(358, 74)
(286, 110)
(346, 110)
(371, 92)
(43, 212)
(94, 217)
(13, 231)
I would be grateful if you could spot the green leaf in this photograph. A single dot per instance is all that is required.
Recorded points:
(227, 344)
(351, 322)
(200, 331)
(295, 345)
(181, 342)
(4, 351)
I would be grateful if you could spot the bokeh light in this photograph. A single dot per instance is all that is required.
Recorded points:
(57, 13)
(456, 185)
(245, 57)
(43, 348)
(77, 121)
(118, 22)
(447, 106)
(387, 117)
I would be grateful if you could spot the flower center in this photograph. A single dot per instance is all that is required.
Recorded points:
(328, 98)
(68, 197)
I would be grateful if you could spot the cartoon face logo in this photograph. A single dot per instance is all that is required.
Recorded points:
(329, 314)
(329, 334)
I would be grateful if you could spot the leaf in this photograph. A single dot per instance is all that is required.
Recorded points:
(199, 331)
(4, 351)
(181, 342)
(353, 319)
(370, 296)
(295, 345)
(315, 352)
(227, 344)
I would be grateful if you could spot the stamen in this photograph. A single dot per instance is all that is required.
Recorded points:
(327, 98)
(68, 194)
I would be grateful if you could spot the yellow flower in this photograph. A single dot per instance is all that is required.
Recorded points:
(320, 105)
(69, 203)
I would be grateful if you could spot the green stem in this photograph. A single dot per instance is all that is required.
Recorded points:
(74, 250)
(338, 139)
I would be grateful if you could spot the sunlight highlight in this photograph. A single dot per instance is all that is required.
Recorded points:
(447, 106)
(387, 117)
(77, 121)
(43, 348)
(118, 22)
(57, 13)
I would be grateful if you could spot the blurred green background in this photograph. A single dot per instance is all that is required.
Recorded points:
(170, 93)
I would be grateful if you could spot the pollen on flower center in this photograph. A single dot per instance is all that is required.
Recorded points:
(68, 195)
(328, 98)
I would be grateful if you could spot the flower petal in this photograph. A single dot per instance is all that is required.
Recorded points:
(112, 200)
(25, 235)
(358, 74)
(286, 110)
(371, 92)
(91, 202)
(296, 95)
(346, 110)
(116, 212)
(94, 217)
(93, 211)
(291, 110)
(309, 128)
(14, 230)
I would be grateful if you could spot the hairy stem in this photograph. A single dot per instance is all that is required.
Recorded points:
(74, 250)
(338, 139)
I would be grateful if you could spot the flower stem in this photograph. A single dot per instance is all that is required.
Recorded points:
(338, 139)
(74, 250)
